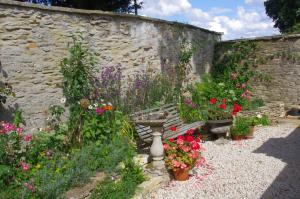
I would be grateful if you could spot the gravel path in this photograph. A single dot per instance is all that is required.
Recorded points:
(266, 167)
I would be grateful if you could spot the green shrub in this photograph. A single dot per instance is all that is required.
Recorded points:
(131, 177)
(241, 126)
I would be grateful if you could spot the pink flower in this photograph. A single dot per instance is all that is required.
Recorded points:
(24, 166)
(19, 130)
(198, 139)
(180, 141)
(185, 148)
(28, 137)
(99, 111)
(233, 76)
(171, 156)
(183, 166)
(8, 127)
(29, 186)
(166, 147)
(176, 163)
(195, 155)
(244, 85)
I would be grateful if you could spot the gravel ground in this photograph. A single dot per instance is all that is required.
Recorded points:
(266, 167)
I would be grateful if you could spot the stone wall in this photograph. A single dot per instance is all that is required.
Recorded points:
(282, 63)
(34, 38)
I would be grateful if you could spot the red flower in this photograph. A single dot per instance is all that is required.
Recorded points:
(224, 101)
(180, 137)
(195, 146)
(171, 140)
(198, 139)
(190, 132)
(213, 100)
(173, 128)
(189, 138)
(223, 106)
(236, 108)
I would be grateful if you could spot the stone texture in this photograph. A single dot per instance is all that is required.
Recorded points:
(282, 62)
(34, 38)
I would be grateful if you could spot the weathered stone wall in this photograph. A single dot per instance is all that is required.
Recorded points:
(34, 38)
(282, 63)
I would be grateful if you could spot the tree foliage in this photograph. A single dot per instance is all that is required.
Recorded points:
(285, 14)
(126, 6)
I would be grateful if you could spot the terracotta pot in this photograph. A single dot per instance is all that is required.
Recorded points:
(237, 137)
(250, 133)
(181, 174)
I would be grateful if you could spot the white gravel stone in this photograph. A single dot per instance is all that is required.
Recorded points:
(266, 167)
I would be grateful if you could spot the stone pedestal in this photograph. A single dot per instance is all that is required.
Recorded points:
(157, 149)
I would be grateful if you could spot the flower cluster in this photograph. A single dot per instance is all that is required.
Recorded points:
(8, 128)
(183, 152)
(220, 111)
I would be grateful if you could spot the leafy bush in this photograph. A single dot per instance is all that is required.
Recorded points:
(241, 126)
(131, 177)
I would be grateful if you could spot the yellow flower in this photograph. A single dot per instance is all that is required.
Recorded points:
(42, 153)
(38, 166)
(57, 170)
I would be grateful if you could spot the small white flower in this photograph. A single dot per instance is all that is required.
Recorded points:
(259, 116)
(91, 107)
(109, 104)
(101, 100)
(104, 104)
(78, 102)
(63, 100)
(95, 105)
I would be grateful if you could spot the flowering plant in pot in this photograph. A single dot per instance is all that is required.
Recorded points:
(182, 154)
(241, 127)
(219, 115)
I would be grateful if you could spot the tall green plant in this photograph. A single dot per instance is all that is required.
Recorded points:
(78, 82)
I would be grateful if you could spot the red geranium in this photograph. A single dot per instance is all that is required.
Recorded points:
(236, 108)
(190, 132)
(223, 106)
(189, 138)
(173, 128)
(213, 100)
(171, 140)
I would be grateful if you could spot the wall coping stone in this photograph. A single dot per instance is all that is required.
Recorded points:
(264, 38)
(99, 13)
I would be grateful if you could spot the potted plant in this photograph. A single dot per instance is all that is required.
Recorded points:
(240, 128)
(182, 154)
(219, 116)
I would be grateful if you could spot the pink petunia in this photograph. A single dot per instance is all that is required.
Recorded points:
(176, 163)
(19, 130)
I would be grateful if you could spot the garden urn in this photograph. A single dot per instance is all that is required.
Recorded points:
(157, 149)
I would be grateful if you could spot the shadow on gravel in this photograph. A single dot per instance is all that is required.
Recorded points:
(287, 183)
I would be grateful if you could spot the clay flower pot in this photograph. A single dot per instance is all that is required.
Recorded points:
(181, 174)
(250, 133)
(237, 137)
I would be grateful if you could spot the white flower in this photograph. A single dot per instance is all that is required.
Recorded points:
(63, 100)
(259, 116)
(104, 104)
(101, 100)
(91, 107)
(109, 104)
(95, 105)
